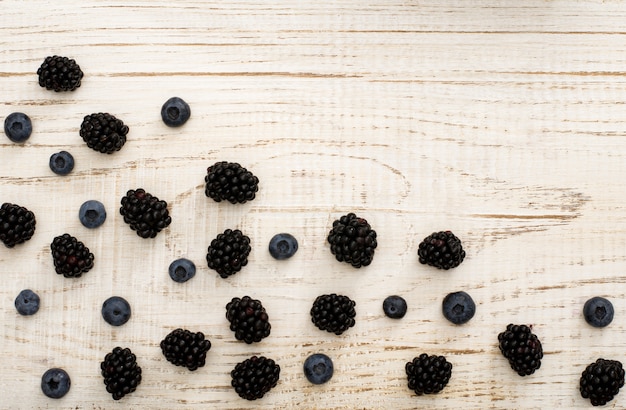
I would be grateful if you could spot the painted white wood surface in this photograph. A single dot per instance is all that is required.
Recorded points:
(502, 121)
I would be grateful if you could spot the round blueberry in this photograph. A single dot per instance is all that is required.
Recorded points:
(458, 307)
(283, 246)
(62, 163)
(318, 368)
(116, 311)
(55, 383)
(27, 302)
(175, 112)
(394, 307)
(181, 270)
(598, 311)
(92, 214)
(18, 127)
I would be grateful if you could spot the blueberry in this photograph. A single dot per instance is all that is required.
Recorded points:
(181, 270)
(283, 246)
(92, 214)
(318, 368)
(27, 302)
(175, 112)
(61, 163)
(18, 127)
(394, 307)
(116, 311)
(598, 311)
(55, 383)
(458, 307)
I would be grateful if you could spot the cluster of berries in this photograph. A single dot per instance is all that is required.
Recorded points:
(352, 240)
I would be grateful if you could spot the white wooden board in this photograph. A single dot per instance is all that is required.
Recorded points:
(502, 121)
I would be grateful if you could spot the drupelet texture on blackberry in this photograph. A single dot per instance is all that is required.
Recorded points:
(333, 313)
(121, 373)
(522, 348)
(352, 240)
(185, 348)
(228, 252)
(442, 250)
(601, 381)
(248, 319)
(71, 257)
(428, 374)
(229, 181)
(17, 224)
(103, 132)
(59, 74)
(254, 377)
(145, 213)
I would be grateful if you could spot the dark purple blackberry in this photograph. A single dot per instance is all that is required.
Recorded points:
(428, 374)
(103, 132)
(248, 319)
(59, 74)
(333, 313)
(522, 348)
(17, 224)
(601, 381)
(146, 214)
(121, 373)
(228, 252)
(185, 348)
(443, 250)
(254, 377)
(71, 257)
(229, 181)
(352, 240)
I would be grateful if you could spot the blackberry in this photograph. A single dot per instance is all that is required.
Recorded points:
(59, 74)
(428, 374)
(352, 240)
(146, 214)
(254, 377)
(229, 181)
(185, 348)
(601, 381)
(228, 252)
(443, 250)
(17, 224)
(248, 319)
(333, 313)
(121, 373)
(71, 257)
(103, 132)
(522, 348)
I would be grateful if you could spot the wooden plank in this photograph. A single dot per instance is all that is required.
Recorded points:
(501, 122)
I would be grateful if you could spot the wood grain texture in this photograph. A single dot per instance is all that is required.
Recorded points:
(500, 121)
